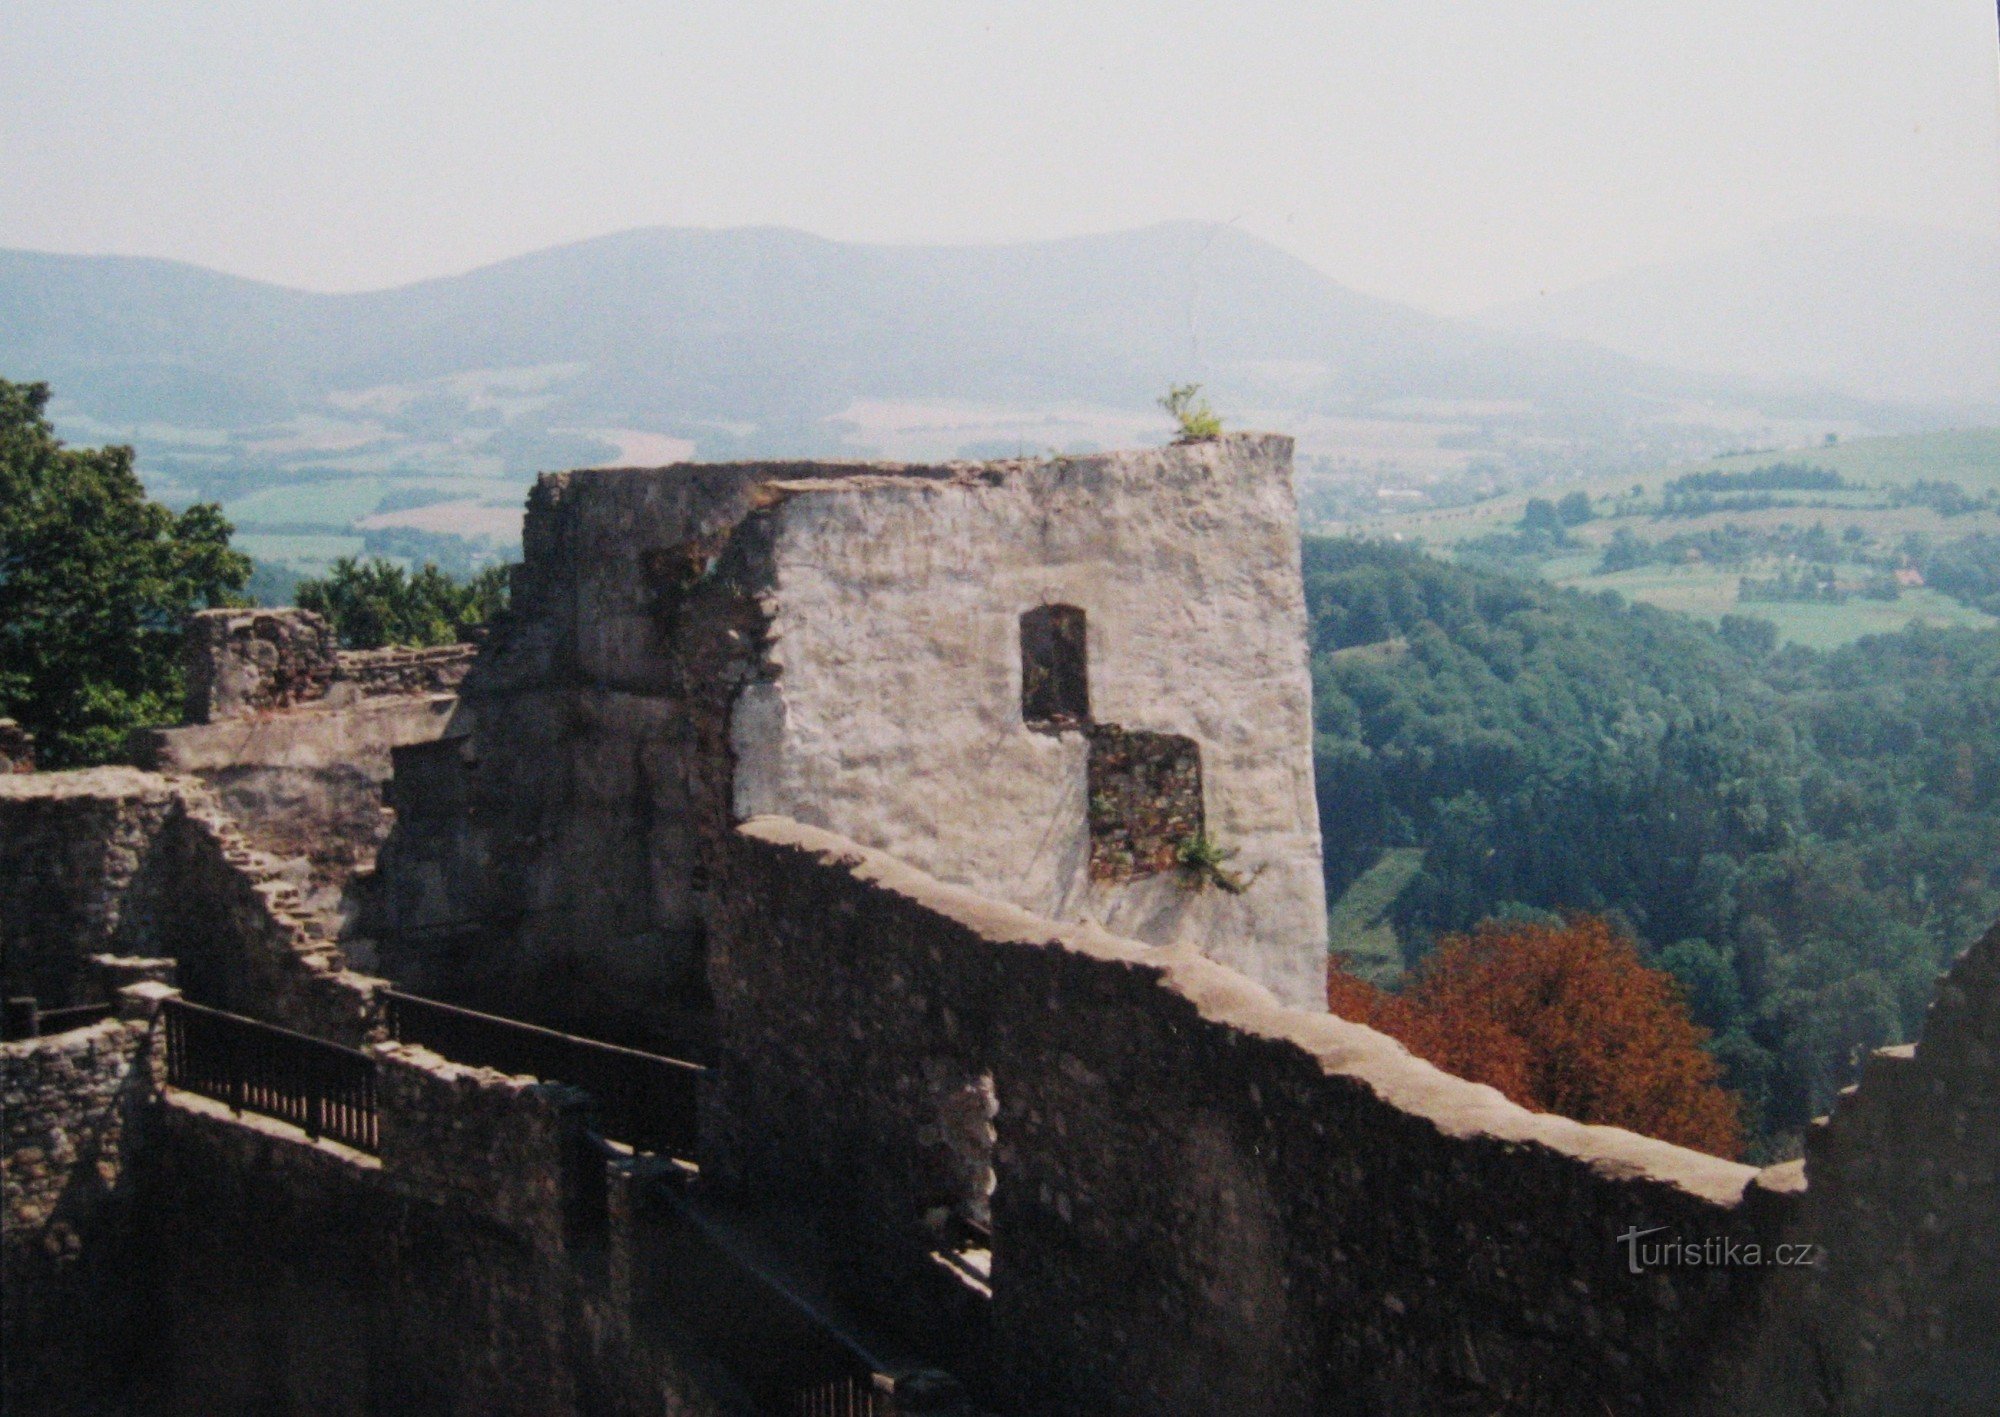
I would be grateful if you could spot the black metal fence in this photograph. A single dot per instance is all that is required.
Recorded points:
(24, 1018)
(258, 1067)
(858, 1395)
(645, 1100)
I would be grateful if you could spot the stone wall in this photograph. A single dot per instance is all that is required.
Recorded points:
(397, 671)
(80, 874)
(1901, 1314)
(73, 1110)
(295, 735)
(548, 858)
(241, 663)
(1204, 1201)
(442, 1278)
(307, 784)
(842, 642)
(111, 860)
(891, 708)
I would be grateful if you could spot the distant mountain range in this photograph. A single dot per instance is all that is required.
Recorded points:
(320, 420)
(1880, 312)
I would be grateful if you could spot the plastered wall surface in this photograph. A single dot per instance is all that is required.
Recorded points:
(690, 645)
(894, 714)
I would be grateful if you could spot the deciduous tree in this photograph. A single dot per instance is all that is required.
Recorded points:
(95, 580)
(1561, 1019)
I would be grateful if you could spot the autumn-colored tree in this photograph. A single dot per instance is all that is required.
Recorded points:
(1562, 1019)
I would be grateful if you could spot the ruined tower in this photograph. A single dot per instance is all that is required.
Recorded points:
(1077, 685)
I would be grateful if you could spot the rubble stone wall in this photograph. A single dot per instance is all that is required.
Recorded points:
(1901, 1202)
(80, 874)
(112, 860)
(73, 1108)
(307, 784)
(241, 663)
(1205, 1201)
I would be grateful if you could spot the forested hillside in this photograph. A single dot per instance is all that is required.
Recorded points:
(1804, 838)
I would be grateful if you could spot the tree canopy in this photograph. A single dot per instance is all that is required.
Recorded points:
(95, 581)
(1802, 838)
(376, 603)
(1563, 1019)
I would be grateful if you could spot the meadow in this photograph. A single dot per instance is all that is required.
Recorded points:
(1876, 518)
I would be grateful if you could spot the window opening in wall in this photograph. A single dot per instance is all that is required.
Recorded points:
(1055, 668)
(960, 1142)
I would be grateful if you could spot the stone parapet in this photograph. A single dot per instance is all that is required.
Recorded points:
(250, 661)
(1201, 1200)
(242, 663)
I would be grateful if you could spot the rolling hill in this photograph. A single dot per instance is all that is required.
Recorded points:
(426, 408)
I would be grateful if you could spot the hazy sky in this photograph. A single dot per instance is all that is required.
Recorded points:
(1447, 152)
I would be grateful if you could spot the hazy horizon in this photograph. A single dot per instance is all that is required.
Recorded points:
(1450, 157)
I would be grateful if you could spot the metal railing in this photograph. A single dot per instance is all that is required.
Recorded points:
(24, 1018)
(321, 1087)
(645, 1100)
(853, 1395)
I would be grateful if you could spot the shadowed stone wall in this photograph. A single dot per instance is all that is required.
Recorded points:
(1205, 1201)
(111, 860)
(1901, 1188)
(843, 643)
(74, 1108)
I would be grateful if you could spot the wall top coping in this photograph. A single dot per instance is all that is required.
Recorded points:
(74, 1040)
(852, 475)
(108, 783)
(1457, 1108)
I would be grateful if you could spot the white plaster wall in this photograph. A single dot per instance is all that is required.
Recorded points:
(895, 718)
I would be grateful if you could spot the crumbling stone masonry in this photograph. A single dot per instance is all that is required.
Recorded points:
(294, 737)
(111, 860)
(909, 655)
(74, 1111)
(1204, 1201)
(994, 1070)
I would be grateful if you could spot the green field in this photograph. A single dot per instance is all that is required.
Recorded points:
(337, 503)
(1633, 503)
(310, 555)
(1358, 928)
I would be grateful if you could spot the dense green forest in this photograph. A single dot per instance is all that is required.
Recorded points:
(1803, 838)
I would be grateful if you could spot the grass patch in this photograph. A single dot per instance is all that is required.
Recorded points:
(1358, 927)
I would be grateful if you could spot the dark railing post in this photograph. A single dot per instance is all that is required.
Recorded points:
(315, 1103)
(23, 1019)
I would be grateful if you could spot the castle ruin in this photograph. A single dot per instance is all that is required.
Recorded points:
(851, 939)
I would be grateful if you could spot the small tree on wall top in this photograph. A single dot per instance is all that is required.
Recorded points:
(1197, 421)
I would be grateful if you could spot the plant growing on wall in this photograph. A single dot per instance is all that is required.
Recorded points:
(1197, 420)
(1205, 862)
